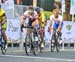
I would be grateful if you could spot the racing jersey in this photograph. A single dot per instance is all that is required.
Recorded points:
(2, 14)
(30, 18)
(42, 19)
(56, 21)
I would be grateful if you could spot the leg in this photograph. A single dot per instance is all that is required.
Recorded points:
(42, 36)
(4, 36)
(36, 22)
(52, 41)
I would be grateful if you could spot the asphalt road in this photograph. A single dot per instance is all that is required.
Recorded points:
(46, 56)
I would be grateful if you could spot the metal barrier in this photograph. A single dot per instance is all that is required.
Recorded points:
(17, 12)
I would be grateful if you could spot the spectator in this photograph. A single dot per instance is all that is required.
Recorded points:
(3, 21)
(3, 1)
(19, 2)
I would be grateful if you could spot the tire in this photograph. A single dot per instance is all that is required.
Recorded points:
(27, 44)
(35, 47)
(35, 43)
(57, 46)
(52, 46)
(39, 44)
(40, 48)
(3, 50)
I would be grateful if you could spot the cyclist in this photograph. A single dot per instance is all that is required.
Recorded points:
(41, 24)
(56, 22)
(31, 16)
(3, 21)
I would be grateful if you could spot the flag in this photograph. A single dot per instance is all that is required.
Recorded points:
(9, 6)
(0, 1)
(72, 7)
(63, 5)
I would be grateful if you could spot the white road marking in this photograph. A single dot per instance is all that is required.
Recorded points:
(40, 58)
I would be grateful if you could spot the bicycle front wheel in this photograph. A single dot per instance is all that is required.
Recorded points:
(52, 45)
(3, 50)
(27, 44)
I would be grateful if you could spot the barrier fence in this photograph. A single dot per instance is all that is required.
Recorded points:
(14, 34)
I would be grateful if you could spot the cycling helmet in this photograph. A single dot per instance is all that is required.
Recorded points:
(31, 9)
(37, 10)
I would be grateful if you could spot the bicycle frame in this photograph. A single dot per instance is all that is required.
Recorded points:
(54, 41)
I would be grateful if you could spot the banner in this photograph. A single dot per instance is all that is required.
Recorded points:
(63, 5)
(9, 4)
(13, 29)
(68, 31)
(72, 8)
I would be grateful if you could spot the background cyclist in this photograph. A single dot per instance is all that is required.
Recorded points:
(55, 22)
(3, 21)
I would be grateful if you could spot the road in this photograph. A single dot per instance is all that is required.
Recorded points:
(46, 56)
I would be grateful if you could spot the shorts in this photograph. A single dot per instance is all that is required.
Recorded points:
(56, 25)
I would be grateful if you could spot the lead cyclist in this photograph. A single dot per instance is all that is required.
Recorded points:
(29, 18)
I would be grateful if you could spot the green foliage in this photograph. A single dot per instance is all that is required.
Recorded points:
(47, 14)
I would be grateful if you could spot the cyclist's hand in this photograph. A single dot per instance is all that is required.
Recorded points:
(58, 30)
(32, 18)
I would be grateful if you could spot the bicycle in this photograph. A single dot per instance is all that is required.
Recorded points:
(2, 44)
(31, 41)
(55, 41)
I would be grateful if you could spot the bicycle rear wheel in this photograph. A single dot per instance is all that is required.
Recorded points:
(57, 45)
(41, 43)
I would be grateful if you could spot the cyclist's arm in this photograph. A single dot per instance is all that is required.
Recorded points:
(4, 19)
(22, 22)
(24, 17)
(43, 17)
(50, 25)
(60, 24)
